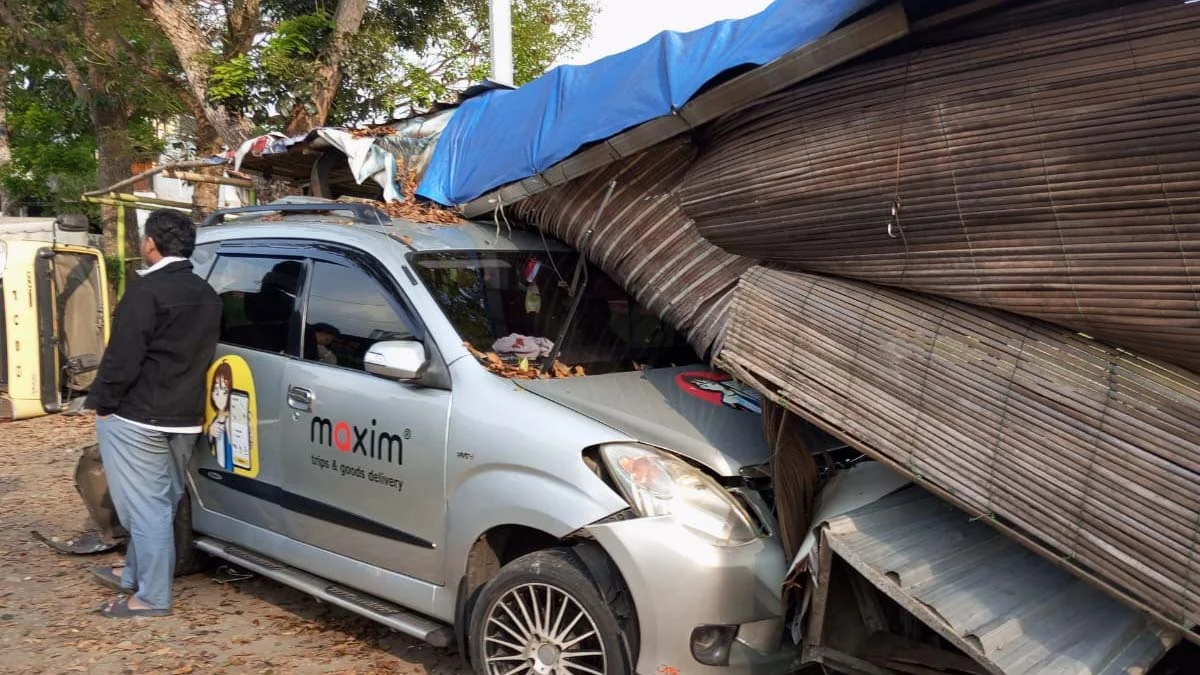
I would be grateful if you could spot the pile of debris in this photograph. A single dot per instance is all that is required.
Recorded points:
(419, 211)
(521, 368)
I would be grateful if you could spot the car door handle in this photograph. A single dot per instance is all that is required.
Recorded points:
(300, 398)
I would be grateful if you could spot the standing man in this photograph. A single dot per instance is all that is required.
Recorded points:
(149, 402)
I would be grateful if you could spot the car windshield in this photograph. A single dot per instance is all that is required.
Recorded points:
(514, 304)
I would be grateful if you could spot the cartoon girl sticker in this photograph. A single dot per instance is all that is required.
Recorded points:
(220, 396)
(232, 416)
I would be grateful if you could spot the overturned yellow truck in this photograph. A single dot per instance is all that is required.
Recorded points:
(53, 314)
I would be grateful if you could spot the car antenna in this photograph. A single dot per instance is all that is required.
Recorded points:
(579, 281)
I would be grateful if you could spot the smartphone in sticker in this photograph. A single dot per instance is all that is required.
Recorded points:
(239, 429)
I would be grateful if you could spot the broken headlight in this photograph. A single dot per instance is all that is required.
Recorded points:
(656, 483)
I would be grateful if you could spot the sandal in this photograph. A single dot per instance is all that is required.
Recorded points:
(120, 609)
(105, 575)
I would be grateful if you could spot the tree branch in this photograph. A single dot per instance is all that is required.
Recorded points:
(21, 29)
(192, 48)
(243, 18)
(172, 82)
(347, 19)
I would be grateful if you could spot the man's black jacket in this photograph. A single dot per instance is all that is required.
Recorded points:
(163, 338)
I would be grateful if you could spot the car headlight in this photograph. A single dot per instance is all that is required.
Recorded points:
(658, 484)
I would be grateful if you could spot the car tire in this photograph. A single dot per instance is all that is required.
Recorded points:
(188, 559)
(553, 578)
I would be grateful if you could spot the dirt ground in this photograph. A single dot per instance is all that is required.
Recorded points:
(48, 622)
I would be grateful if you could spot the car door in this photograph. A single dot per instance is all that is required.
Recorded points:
(365, 455)
(237, 471)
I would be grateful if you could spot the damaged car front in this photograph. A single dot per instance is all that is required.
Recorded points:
(697, 545)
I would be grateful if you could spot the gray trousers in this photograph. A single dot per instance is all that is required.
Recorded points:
(145, 471)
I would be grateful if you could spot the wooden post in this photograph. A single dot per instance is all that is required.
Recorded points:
(133, 205)
(120, 196)
(121, 249)
(201, 178)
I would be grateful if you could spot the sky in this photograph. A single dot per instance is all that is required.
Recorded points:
(621, 24)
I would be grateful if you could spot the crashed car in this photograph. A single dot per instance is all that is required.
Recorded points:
(476, 437)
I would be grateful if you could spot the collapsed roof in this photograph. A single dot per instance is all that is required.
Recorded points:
(960, 236)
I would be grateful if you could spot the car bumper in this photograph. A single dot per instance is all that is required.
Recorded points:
(679, 581)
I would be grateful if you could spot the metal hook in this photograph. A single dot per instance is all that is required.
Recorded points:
(894, 220)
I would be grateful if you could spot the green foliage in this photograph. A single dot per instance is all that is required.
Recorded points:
(114, 269)
(383, 76)
(53, 148)
(288, 59)
(144, 140)
(297, 40)
(123, 65)
(278, 72)
(232, 82)
(544, 30)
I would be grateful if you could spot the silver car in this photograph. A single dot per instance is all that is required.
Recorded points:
(381, 433)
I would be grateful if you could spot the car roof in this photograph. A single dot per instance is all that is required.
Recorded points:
(343, 228)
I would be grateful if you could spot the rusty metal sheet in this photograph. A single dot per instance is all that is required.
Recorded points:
(643, 240)
(1041, 159)
(1091, 456)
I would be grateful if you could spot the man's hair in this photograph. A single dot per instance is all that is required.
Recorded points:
(173, 233)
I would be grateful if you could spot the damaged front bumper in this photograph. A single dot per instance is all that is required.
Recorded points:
(689, 594)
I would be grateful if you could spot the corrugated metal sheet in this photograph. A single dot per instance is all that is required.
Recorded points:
(1013, 611)
(1042, 159)
(1092, 452)
(641, 238)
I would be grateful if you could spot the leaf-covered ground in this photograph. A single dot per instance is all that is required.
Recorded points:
(48, 622)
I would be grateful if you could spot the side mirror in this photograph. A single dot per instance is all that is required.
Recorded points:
(72, 222)
(396, 360)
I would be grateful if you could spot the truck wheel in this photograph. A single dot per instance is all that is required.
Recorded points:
(542, 614)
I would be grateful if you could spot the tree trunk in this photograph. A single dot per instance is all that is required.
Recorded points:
(114, 163)
(192, 47)
(347, 19)
(244, 19)
(205, 195)
(7, 207)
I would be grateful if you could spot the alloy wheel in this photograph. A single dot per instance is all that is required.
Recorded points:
(538, 629)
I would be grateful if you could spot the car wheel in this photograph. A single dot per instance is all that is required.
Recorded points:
(542, 614)
(187, 559)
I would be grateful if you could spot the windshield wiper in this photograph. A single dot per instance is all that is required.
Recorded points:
(579, 282)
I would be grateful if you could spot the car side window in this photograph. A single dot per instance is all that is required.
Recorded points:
(348, 311)
(203, 257)
(259, 296)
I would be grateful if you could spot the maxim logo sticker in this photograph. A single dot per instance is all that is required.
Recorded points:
(365, 441)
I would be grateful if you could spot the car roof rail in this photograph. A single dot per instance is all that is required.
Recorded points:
(365, 214)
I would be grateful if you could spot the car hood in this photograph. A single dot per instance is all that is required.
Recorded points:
(692, 411)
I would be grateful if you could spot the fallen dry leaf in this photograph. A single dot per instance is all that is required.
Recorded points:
(522, 369)
(48, 618)
(373, 132)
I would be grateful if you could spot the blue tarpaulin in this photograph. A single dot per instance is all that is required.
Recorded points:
(507, 135)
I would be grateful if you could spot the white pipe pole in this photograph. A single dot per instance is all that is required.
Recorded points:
(500, 18)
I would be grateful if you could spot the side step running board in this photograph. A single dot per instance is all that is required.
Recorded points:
(391, 615)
